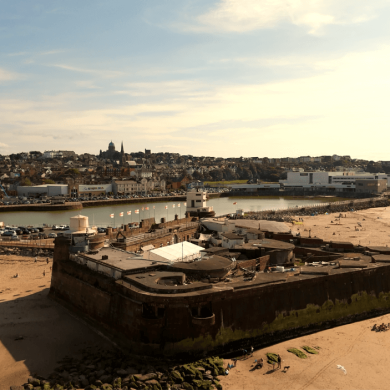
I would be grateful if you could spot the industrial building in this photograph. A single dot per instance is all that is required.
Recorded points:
(43, 190)
(332, 181)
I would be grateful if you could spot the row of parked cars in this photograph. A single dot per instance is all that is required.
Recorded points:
(36, 233)
(18, 201)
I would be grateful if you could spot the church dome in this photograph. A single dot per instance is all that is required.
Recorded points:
(111, 144)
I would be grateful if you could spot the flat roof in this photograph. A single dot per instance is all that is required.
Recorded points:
(271, 244)
(209, 264)
(121, 260)
(232, 236)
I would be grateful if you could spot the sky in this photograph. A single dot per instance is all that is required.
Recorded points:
(223, 78)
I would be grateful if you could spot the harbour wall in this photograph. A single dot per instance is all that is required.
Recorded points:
(257, 315)
(320, 208)
(41, 207)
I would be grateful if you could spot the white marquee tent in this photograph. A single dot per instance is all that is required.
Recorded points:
(182, 251)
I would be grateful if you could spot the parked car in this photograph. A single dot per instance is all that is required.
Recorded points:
(52, 235)
(9, 233)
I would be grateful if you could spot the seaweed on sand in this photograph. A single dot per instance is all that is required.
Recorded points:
(310, 350)
(297, 352)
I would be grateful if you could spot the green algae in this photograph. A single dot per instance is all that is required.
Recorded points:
(272, 358)
(310, 350)
(298, 353)
(359, 303)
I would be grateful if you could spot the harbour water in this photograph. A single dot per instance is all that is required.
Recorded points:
(100, 216)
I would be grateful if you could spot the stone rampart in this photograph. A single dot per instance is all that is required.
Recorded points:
(257, 314)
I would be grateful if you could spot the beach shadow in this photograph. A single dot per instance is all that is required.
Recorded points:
(269, 372)
(39, 332)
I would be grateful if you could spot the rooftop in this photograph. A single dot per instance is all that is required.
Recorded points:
(122, 260)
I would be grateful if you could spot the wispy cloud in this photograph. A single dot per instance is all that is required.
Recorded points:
(6, 75)
(102, 73)
(314, 15)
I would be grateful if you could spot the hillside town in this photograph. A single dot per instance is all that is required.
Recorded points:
(116, 172)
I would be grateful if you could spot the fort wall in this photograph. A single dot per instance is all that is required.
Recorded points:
(250, 314)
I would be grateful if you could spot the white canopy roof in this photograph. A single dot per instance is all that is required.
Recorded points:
(182, 251)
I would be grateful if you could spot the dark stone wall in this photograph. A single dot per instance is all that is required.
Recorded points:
(238, 317)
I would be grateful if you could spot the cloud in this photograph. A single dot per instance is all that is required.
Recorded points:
(5, 75)
(3, 145)
(314, 15)
(101, 73)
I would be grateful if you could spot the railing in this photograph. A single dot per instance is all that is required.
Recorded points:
(160, 233)
(28, 244)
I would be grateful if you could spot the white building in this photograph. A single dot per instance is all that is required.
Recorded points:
(52, 154)
(338, 181)
(197, 203)
(230, 240)
(143, 186)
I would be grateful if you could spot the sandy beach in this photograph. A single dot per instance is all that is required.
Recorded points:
(363, 353)
(49, 332)
(364, 227)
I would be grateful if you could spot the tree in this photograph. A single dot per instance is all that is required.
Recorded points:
(74, 171)
(49, 181)
(26, 182)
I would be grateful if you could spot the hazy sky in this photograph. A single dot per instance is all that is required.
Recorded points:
(224, 78)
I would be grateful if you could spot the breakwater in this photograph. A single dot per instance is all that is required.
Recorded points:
(321, 208)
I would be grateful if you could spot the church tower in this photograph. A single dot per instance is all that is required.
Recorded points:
(123, 157)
